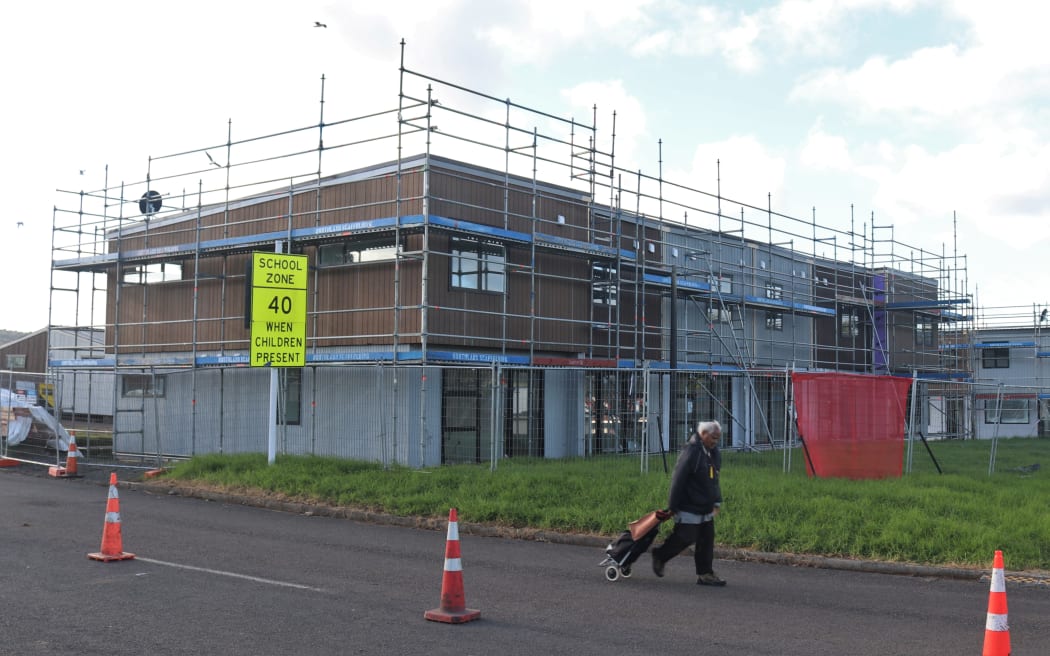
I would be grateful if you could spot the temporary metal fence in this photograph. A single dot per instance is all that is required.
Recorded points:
(40, 413)
(421, 416)
(424, 416)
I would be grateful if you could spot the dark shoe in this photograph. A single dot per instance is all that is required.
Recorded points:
(710, 579)
(658, 566)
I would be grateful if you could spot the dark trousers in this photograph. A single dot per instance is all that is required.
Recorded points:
(700, 536)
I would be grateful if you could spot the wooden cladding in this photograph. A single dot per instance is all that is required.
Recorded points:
(543, 301)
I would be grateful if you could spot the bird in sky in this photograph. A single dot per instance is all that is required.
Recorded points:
(20, 224)
(213, 162)
(319, 24)
(81, 171)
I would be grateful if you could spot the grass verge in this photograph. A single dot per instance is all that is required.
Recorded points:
(956, 518)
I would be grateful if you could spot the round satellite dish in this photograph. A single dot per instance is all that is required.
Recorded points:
(149, 204)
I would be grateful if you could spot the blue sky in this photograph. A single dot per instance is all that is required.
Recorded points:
(908, 110)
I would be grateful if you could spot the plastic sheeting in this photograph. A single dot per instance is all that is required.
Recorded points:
(18, 427)
(852, 425)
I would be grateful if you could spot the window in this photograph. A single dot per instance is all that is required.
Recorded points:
(478, 265)
(1009, 411)
(721, 283)
(995, 358)
(604, 285)
(717, 314)
(138, 385)
(775, 320)
(358, 251)
(147, 274)
(16, 361)
(774, 291)
(290, 396)
(923, 333)
(849, 324)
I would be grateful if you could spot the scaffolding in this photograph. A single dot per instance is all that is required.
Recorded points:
(494, 195)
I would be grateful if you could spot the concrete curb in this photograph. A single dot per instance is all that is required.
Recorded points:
(596, 541)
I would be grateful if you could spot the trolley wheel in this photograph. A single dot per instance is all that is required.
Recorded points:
(625, 571)
(612, 573)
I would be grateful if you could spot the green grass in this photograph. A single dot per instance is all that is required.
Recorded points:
(957, 518)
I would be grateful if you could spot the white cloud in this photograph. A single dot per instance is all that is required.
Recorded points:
(539, 32)
(609, 97)
(815, 27)
(824, 151)
(703, 31)
(744, 166)
(931, 84)
(746, 40)
(738, 168)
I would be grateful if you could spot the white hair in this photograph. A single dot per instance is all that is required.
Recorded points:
(708, 427)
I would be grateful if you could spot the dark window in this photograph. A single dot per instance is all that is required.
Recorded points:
(1006, 411)
(924, 333)
(477, 265)
(995, 358)
(465, 421)
(523, 416)
(605, 285)
(849, 324)
(290, 396)
(774, 291)
(775, 320)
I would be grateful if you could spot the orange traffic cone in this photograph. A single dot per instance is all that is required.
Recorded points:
(996, 628)
(453, 608)
(70, 470)
(112, 543)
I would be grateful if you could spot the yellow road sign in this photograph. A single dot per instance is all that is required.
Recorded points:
(278, 336)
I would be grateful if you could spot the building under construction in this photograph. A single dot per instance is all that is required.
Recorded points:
(498, 287)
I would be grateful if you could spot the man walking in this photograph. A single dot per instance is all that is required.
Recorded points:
(694, 500)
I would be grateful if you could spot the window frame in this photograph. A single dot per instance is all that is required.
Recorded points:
(995, 358)
(143, 386)
(721, 283)
(924, 332)
(719, 313)
(15, 361)
(605, 285)
(152, 273)
(358, 251)
(1018, 412)
(489, 257)
(849, 324)
(290, 382)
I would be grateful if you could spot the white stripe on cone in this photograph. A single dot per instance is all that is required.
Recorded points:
(996, 623)
(998, 581)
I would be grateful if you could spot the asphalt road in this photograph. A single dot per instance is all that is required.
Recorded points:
(217, 578)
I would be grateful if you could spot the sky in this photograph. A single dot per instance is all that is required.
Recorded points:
(927, 115)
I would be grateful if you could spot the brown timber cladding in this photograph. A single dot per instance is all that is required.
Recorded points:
(354, 305)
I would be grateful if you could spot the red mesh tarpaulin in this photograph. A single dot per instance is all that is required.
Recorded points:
(852, 425)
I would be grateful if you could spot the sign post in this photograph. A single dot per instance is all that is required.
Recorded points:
(278, 329)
